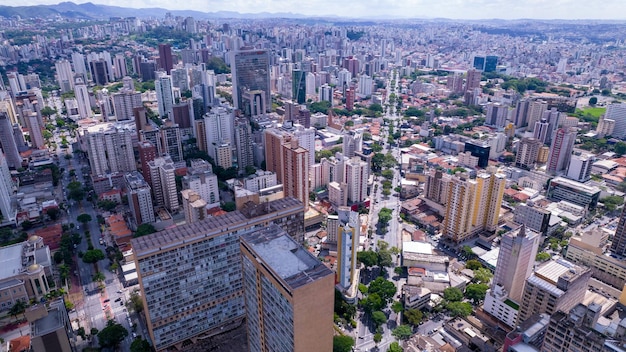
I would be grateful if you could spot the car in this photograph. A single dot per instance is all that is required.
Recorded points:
(107, 300)
(118, 299)
(121, 304)
(134, 335)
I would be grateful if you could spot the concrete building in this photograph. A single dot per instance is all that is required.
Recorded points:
(250, 71)
(243, 144)
(171, 141)
(533, 217)
(110, 148)
(579, 168)
(561, 150)
(295, 171)
(605, 268)
(575, 331)
(617, 113)
(166, 59)
(163, 183)
(356, 177)
(181, 307)
(605, 127)
(555, 285)
(65, 76)
(260, 180)
(352, 143)
(618, 245)
(7, 192)
(124, 104)
(527, 152)
(51, 328)
(338, 193)
(194, 206)
(348, 235)
(139, 198)
(164, 94)
(82, 98)
(516, 259)
(472, 205)
(288, 294)
(219, 125)
(24, 273)
(8, 143)
(147, 153)
(201, 179)
(578, 193)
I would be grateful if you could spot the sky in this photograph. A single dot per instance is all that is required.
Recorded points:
(455, 9)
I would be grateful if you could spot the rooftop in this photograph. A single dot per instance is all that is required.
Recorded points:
(285, 257)
(10, 260)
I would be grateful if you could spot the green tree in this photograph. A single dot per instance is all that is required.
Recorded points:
(363, 289)
(413, 316)
(473, 264)
(395, 347)
(482, 275)
(136, 303)
(476, 292)
(542, 256)
(342, 343)
(378, 318)
(112, 335)
(384, 288)
(229, 206)
(372, 302)
(593, 101)
(459, 309)
(26, 225)
(98, 277)
(19, 307)
(84, 218)
(368, 258)
(107, 205)
(378, 337)
(75, 191)
(620, 148)
(402, 332)
(140, 345)
(93, 256)
(397, 307)
(48, 111)
(388, 174)
(53, 213)
(452, 294)
(144, 229)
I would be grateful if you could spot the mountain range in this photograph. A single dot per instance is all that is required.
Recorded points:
(91, 11)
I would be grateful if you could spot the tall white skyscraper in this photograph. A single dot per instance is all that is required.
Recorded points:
(164, 94)
(82, 98)
(120, 66)
(347, 243)
(65, 76)
(78, 60)
(6, 191)
(219, 124)
(356, 176)
(164, 182)
(617, 113)
(110, 149)
(124, 103)
(201, 179)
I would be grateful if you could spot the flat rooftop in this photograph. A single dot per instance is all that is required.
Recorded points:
(10, 260)
(285, 257)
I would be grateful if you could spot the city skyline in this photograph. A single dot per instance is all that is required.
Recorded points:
(390, 9)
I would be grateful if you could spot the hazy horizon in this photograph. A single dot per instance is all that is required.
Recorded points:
(452, 9)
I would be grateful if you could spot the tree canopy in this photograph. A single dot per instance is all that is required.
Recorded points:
(452, 294)
(476, 292)
(112, 334)
(84, 218)
(342, 343)
(413, 316)
(402, 332)
(93, 256)
(459, 309)
(378, 318)
(144, 229)
(384, 288)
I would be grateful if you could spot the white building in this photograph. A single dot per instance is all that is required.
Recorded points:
(338, 194)
(579, 168)
(260, 180)
(65, 76)
(219, 125)
(82, 98)
(201, 179)
(110, 148)
(356, 176)
(124, 103)
(366, 83)
(194, 206)
(164, 94)
(347, 244)
(164, 183)
(6, 191)
(617, 113)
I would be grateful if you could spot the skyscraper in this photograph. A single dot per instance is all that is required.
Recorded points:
(295, 171)
(166, 62)
(201, 179)
(219, 125)
(82, 98)
(298, 86)
(6, 191)
(65, 76)
(617, 113)
(171, 141)
(7, 142)
(164, 94)
(139, 198)
(288, 294)
(618, 246)
(182, 302)
(163, 183)
(561, 150)
(518, 249)
(250, 71)
(124, 104)
(527, 152)
(243, 142)
(110, 149)
(147, 153)
(348, 232)
(356, 176)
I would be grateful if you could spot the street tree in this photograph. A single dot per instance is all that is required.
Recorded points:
(140, 345)
(402, 332)
(144, 229)
(395, 347)
(413, 316)
(93, 256)
(482, 275)
(378, 337)
(459, 309)
(98, 277)
(342, 343)
(452, 294)
(84, 218)
(368, 258)
(397, 307)
(112, 335)
(378, 318)
(473, 264)
(384, 288)
(476, 292)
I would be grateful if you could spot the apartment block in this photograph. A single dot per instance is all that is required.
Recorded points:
(190, 276)
(289, 294)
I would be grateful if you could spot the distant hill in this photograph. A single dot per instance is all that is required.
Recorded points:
(91, 11)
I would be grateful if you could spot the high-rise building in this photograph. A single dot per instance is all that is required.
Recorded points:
(35, 128)
(65, 76)
(288, 294)
(274, 139)
(479, 63)
(479, 150)
(139, 198)
(338, 194)
(110, 149)
(166, 61)
(491, 62)
(99, 72)
(533, 217)
(496, 114)
(555, 285)
(194, 206)
(124, 104)
(579, 168)
(617, 113)
(219, 126)
(347, 244)
(295, 171)
(472, 205)
(164, 94)
(254, 103)
(534, 113)
(576, 331)
(298, 86)
(250, 71)
(605, 127)
(147, 153)
(527, 152)
(78, 61)
(171, 141)
(561, 150)
(243, 142)
(201, 179)
(542, 131)
(51, 327)
(618, 245)
(7, 190)
(8, 143)
(356, 176)
(163, 183)
(352, 143)
(82, 98)
(435, 188)
(473, 80)
(16, 82)
(516, 259)
(119, 66)
(180, 306)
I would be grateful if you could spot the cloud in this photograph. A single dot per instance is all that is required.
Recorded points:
(461, 9)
